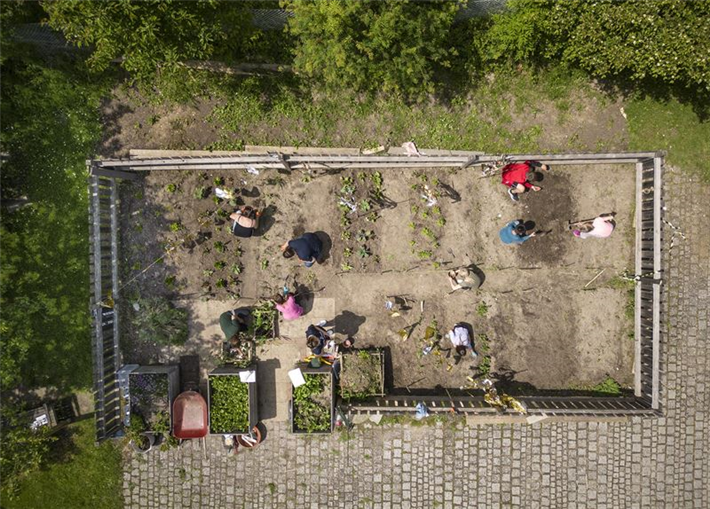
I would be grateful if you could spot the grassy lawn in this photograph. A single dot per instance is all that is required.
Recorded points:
(78, 475)
(671, 126)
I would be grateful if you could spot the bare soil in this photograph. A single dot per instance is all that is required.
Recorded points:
(545, 329)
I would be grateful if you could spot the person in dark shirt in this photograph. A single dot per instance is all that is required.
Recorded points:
(234, 326)
(316, 338)
(308, 247)
(246, 222)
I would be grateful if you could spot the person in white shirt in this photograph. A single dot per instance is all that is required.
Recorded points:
(461, 340)
(600, 227)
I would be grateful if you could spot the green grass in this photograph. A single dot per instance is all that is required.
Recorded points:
(674, 127)
(486, 118)
(80, 476)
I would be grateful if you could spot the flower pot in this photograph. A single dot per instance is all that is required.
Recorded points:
(150, 442)
(243, 442)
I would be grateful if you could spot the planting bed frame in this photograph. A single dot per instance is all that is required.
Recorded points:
(103, 230)
(253, 397)
(307, 370)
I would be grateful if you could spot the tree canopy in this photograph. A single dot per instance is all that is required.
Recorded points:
(393, 46)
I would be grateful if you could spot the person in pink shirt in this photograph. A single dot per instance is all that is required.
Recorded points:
(600, 227)
(287, 306)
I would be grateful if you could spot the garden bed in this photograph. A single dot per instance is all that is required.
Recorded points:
(545, 329)
(232, 404)
(362, 374)
(152, 391)
(313, 404)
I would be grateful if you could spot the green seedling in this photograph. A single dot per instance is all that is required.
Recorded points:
(175, 227)
(423, 255)
(347, 252)
(220, 265)
(363, 252)
(365, 205)
(264, 264)
(426, 232)
(441, 221)
(222, 213)
(218, 181)
(136, 266)
(346, 267)
(169, 281)
(365, 235)
(201, 192)
(171, 188)
(236, 268)
(436, 210)
(362, 177)
(207, 272)
(221, 283)
(348, 186)
(412, 226)
(345, 235)
(372, 217)
(216, 199)
(482, 309)
(220, 247)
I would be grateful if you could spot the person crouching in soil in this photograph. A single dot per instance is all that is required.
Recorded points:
(245, 222)
(516, 177)
(287, 306)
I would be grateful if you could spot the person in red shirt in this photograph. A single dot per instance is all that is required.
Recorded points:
(515, 176)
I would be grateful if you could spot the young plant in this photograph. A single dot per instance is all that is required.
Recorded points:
(346, 267)
(424, 255)
(221, 283)
(170, 281)
(201, 192)
(345, 235)
(347, 252)
(428, 233)
(236, 268)
(171, 188)
(216, 199)
(219, 265)
(365, 235)
(222, 213)
(364, 252)
(220, 247)
(218, 181)
(175, 227)
(482, 309)
(372, 217)
(348, 186)
(207, 272)
(365, 205)
(264, 264)
(441, 221)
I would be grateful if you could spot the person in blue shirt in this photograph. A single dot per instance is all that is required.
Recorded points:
(515, 233)
(308, 247)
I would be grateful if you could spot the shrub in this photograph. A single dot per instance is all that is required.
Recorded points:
(158, 320)
(393, 46)
(664, 39)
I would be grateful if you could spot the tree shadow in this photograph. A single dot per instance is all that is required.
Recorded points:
(347, 323)
(326, 244)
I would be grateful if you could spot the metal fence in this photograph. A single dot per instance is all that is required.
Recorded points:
(648, 276)
(103, 228)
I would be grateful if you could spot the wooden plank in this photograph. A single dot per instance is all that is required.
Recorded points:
(98, 319)
(107, 172)
(637, 287)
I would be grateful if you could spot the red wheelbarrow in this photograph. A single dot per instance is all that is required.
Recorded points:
(190, 416)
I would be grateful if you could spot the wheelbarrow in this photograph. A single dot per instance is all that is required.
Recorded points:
(190, 417)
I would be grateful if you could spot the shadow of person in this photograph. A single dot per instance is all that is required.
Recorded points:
(450, 192)
(327, 244)
(478, 272)
(304, 298)
(250, 193)
(529, 225)
(347, 323)
(266, 221)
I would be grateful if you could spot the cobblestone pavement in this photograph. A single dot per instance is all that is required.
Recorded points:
(662, 462)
